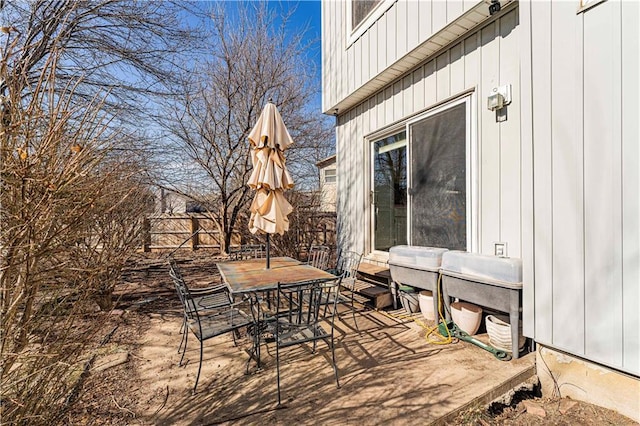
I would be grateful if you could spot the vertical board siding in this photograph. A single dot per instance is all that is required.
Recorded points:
(402, 28)
(454, 9)
(373, 52)
(425, 29)
(354, 182)
(543, 178)
(567, 191)
(397, 101)
(359, 164)
(510, 170)
(443, 89)
(472, 60)
(337, 50)
(631, 185)
(456, 83)
(381, 26)
(418, 90)
(364, 70)
(439, 15)
(413, 22)
(603, 274)
(526, 142)
(407, 94)
(391, 35)
(356, 68)
(583, 102)
(351, 67)
(430, 83)
(489, 152)
(474, 63)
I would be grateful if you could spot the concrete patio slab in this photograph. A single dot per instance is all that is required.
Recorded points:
(389, 374)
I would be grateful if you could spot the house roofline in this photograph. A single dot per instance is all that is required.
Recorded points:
(467, 23)
(326, 161)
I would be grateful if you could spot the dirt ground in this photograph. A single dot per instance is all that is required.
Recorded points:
(149, 388)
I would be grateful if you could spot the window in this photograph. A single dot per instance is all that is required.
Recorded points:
(433, 165)
(362, 14)
(330, 176)
(588, 4)
(360, 9)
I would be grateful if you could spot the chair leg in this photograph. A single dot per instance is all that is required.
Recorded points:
(183, 330)
(184, 350)
(353, 314)
(199, 368)
(352, 308)
(255, 350)
(353, 311)
(278, 370)
(333, 359)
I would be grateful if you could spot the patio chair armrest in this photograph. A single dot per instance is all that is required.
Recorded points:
(198, 291)
(212, 299)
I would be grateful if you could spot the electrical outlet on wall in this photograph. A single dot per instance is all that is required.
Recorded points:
(500, 249)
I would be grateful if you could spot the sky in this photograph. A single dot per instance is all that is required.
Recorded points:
(306, 15)
(305, 18)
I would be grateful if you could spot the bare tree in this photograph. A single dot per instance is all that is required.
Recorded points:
(254, 60)
(70, 210)
(129, 49)
(71, 204)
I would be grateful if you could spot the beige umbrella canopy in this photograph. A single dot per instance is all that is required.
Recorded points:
(270, 178)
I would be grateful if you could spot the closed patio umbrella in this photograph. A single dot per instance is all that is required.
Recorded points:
(270, 178)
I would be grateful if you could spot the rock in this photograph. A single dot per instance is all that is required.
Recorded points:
(534, 408)
(566, 405)
(109, 361)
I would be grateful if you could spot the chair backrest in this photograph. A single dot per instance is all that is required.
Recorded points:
(319, 257)
(181, 289)
(306, 304)
(250, 251)
(195, 301)
(348, 263)
(178, 281)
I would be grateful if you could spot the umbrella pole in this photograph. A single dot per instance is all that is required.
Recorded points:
(268, 254)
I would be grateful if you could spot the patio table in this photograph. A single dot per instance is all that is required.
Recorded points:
(246, 278)
(251, 276)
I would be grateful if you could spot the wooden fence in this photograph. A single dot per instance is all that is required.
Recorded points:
(197, 231)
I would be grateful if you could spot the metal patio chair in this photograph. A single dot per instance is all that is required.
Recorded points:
(347, 269)
(302, 317)
(209, 315)
(249, 251)
(210, 297)
(319, 257)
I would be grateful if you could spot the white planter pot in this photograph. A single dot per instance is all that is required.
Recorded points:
(466, 316)
(499, 332)
(425, 298)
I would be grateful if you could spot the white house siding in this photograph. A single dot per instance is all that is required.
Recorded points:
(475, 64)
(582, 237)
(349, 66)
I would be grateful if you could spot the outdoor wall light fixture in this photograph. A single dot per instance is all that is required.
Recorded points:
(499, 97)
(494, 7)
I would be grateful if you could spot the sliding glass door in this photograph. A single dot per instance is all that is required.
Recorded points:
(420, 184)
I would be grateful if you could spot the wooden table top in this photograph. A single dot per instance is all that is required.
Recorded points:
(246, 276)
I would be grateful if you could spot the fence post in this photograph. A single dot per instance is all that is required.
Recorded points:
(146, 235)
(324, 233)
(195, 227)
